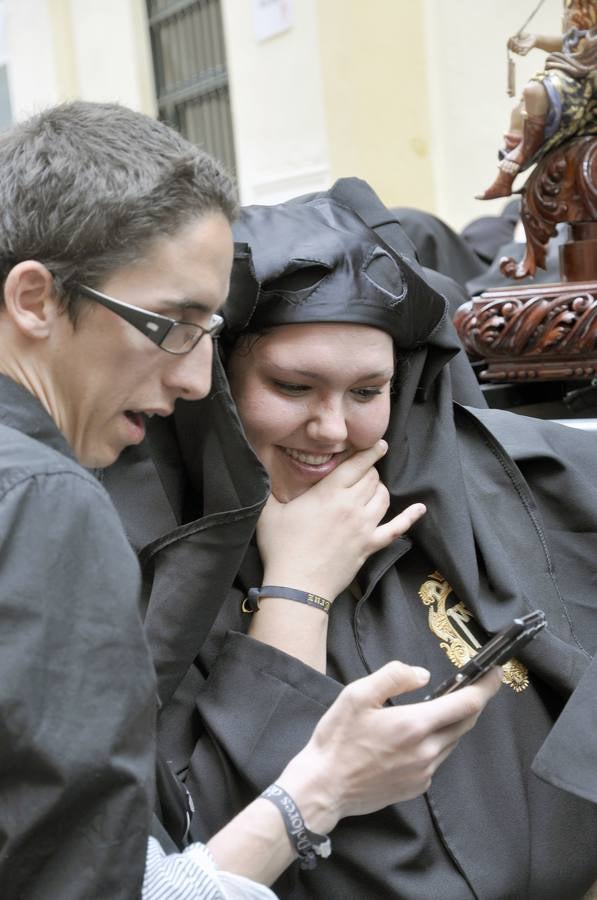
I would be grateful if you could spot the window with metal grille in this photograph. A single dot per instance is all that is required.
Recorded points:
(189, 59)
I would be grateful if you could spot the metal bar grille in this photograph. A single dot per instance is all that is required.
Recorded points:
(189, 59)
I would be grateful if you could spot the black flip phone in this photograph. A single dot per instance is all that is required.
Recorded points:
(496, 651)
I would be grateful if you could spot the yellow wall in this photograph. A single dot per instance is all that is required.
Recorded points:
(33, 78)
(414, 95)
(376, 98)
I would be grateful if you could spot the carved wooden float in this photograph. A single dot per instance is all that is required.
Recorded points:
(533, 333)
(545, 332)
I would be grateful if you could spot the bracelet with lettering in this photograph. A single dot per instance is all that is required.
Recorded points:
(308, 844)
(251, 602)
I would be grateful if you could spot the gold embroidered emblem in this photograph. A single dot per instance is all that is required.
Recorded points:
(455, 626)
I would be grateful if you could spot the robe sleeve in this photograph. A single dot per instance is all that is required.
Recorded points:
(567, 757)
(260, 705)
(77, 696)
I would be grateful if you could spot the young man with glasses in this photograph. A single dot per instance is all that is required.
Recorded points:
(115, 257)
(92, 196)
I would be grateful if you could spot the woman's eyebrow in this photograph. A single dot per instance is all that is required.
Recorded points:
(372, 376)
(386, 374)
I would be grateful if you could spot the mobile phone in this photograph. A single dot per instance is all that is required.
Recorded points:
(496, 651)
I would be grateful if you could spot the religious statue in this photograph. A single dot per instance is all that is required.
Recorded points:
(559, 102)
(548, 331)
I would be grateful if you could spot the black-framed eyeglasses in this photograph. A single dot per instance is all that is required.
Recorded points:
(169, 334)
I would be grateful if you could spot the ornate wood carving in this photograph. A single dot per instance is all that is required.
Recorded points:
(539, 333)
(562, 188)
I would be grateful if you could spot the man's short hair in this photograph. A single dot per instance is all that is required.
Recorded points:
(86, 188)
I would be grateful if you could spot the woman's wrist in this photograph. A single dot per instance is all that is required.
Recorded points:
(295, 628)
(310, 582)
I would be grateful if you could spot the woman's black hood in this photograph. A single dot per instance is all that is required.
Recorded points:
(341, 256)
(317, 261)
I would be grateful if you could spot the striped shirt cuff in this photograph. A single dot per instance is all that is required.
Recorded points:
(194, 875)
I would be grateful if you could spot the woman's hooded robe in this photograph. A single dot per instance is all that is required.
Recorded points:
(511, 526)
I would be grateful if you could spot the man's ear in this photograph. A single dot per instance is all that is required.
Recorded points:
(30, 299)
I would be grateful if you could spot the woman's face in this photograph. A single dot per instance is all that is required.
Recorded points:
(309, 396)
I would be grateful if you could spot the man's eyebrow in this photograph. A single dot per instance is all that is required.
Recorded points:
(185, 306)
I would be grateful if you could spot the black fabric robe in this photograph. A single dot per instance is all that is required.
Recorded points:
(258, 706)
(511, 525)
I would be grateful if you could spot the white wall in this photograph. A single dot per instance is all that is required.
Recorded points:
(65, 49)
(112, 53)
(277, 105)
(33, 76)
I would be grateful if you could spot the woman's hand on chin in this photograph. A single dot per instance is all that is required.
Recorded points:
(318, 541)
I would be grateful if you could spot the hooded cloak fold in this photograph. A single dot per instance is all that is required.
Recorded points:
(189, 497)
(511, 525)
